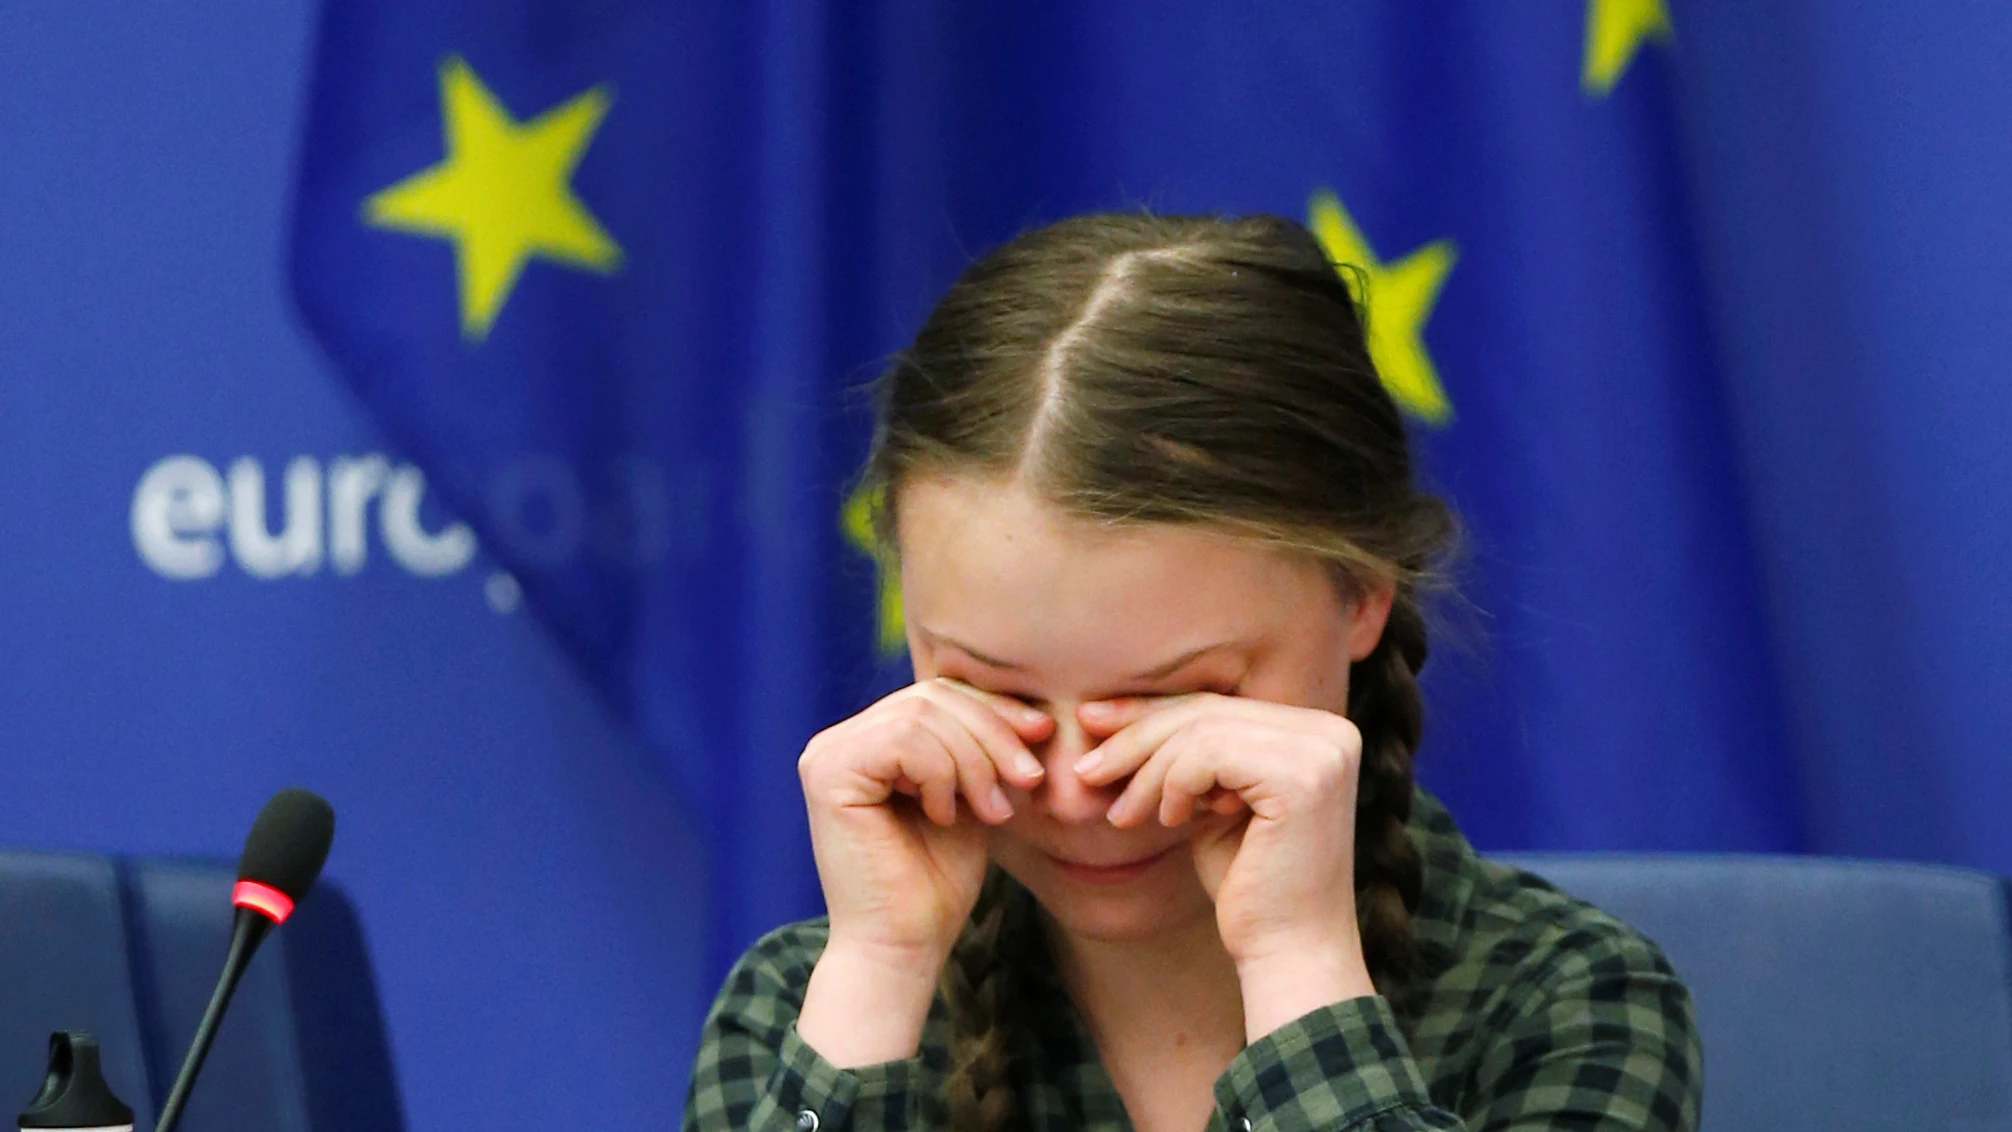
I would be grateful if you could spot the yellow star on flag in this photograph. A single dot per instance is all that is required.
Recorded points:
(1615, 31)
(856, 520)
(502, 194)
(1400, 297)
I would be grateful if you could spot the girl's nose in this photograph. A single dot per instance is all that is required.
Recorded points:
(1061, 795)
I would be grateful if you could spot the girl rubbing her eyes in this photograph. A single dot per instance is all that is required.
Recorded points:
(1140, 848)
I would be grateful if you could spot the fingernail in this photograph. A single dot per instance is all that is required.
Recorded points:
(1088, 763)
(1030, 766)
(998, 802)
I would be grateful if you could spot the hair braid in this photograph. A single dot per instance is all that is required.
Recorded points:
(976, 988)
(1385, 705)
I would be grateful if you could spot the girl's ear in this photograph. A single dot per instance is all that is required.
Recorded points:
(1367, 613)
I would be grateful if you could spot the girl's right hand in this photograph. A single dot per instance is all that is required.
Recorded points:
(900, 865)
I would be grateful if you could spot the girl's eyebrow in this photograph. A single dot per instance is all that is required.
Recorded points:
(1161, 672)
(1157, 672)
(974, 654)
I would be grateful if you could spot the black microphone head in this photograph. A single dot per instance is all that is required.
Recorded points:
(288, 842)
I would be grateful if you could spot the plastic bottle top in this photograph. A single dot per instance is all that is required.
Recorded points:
(74, 1094)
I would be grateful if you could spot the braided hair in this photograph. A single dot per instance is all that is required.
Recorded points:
(978, 988)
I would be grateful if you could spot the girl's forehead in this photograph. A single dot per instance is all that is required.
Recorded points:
(994, 570)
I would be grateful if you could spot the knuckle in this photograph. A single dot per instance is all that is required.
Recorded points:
(1212, 729)
(912, 729)
(1342, 732)
(932, 771)
(908, 723)
(814, 752)
(963, 765)
(913, 708)
(1322, 777)
(976, 760)
(813, 775)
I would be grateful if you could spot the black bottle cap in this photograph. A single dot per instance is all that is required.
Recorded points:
(74, 1094)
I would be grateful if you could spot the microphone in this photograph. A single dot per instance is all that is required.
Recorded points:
(283, 855)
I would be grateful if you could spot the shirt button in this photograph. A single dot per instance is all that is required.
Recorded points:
(806, 1121)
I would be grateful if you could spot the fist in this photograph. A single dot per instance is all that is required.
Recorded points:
(898, 798)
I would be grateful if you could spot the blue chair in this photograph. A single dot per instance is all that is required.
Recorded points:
(131, 949)
(1831, 994)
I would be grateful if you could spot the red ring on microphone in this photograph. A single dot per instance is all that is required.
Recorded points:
(264, 899)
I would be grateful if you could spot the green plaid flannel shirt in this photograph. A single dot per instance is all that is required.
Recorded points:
(1531, 1011)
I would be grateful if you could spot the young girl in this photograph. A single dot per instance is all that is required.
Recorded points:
(1140, 847)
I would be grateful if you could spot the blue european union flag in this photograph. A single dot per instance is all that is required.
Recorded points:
(529, 234)
(602, 268)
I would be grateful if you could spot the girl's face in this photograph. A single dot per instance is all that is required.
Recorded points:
(1006, 593)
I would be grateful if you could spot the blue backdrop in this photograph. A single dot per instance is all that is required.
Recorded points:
(451, 407)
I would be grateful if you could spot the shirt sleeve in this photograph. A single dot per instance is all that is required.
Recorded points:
(1342, 1068)
(1601, 1040)
(1607, 1041)
(755, 1074)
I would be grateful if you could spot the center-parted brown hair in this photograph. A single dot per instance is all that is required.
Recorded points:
(1177, 369)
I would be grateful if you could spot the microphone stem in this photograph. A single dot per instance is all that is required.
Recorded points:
(248, 930)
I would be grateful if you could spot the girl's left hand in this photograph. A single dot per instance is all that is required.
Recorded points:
(1275, 788)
